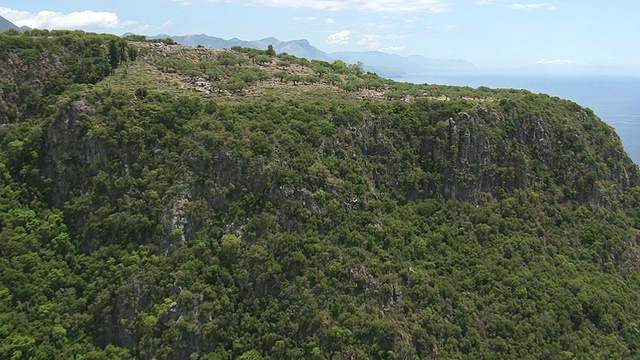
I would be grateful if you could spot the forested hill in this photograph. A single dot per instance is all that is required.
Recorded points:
(159, 201)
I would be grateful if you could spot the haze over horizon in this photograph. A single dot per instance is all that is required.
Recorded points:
(563, 36)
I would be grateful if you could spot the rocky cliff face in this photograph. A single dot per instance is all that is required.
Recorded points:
(36, 69)
(486, 152)
(70, 158)
(24, 81)
(490, 152)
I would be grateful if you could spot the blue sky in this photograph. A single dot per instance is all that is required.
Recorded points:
(592, 36)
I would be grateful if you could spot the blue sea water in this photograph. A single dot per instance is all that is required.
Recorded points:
(615, 99)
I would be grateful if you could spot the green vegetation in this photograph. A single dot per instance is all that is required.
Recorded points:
(206, 204)
(68, 58)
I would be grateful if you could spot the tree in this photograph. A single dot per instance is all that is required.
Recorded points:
(250, 355)
(340, 67)
(132, 52)
(134, 37)
(333, 79)
(270, 51)
(311, 79)
(283, 64)
(235, 85)
(282, 75)
(227, 59)
(262, 60)
(321, 68)
(294, 78)
(114, 54)
(357, 69)
(215, 73)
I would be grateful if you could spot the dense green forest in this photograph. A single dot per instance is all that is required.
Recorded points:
(165, 202)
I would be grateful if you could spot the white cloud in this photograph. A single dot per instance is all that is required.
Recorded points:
(484, 2)
(330, 21)
(372, 42)
(441, 27)
(557, 62)
(372, 25)
(543, 6)
(391, 6)
(339, 38)
(393, 49)
(143, 28)
(377, 45)
(55, 20)
(183, 2)
(383, 37)
(147, 28)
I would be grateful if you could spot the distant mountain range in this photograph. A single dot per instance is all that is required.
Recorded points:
(299, 48)
(6, 25)
(386, 65)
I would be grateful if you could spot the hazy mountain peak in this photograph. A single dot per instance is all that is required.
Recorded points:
(303, 42)
(385, 64)
(300, 48)
(270, 39)
(6, 25)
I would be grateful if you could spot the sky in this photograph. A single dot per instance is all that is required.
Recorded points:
(586, 36)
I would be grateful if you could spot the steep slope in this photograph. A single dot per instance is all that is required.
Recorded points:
(33, 71)
(6, 24)
(204, 203)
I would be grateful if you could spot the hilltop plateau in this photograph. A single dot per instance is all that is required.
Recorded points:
(387, 65)
(163, 201)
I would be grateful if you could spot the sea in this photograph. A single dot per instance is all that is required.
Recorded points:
(615, 99)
